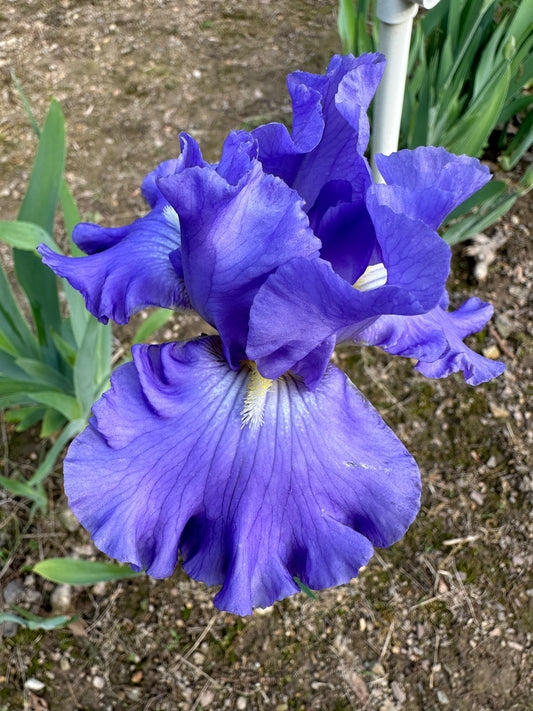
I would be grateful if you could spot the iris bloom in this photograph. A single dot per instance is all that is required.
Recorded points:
(248, 453)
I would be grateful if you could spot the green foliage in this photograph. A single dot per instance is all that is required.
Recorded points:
(469, 77)
(53, 366)
(45, 374)
(34, 622)
(484, 208)
(469, 63)
(358, 28)
(72, 571)
(156, 320)
(306, 590)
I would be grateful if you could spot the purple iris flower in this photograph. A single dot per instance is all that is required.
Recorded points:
(248, 453)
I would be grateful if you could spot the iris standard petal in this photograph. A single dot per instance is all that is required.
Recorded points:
(167, 465)
(133, 273)
(190, 155)
(427, 183)
(435, 339)
(328, 145)
(234, 233)
(340, 220)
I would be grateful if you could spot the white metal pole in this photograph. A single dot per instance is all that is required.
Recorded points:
(396, 23)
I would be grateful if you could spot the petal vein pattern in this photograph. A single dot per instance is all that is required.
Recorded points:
(308, 493)
(234, 234)
(133, 273)
(427, 183)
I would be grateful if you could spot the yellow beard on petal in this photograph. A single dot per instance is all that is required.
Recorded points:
(254, 403)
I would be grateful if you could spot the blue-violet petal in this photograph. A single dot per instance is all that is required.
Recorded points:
(427, 183)
(435, 339)
(238, 224)
(166, 465)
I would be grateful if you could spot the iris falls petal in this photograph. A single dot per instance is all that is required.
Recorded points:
(175, 467)
(132, 271)
(137, 265)
(435, 339)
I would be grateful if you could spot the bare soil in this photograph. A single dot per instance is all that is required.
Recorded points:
(443, 619)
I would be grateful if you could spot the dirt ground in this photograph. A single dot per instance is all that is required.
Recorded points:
(443, 619)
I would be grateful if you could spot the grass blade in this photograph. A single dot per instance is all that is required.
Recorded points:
(156, 320)
(520, 144)
(23, 489)
(16, 336)
(70, 431)
(39, 206)
(34, 622)
(24, 235)
(72, 571)
(42, 373)
(92, 366)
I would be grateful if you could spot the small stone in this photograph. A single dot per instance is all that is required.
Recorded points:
(515, 645)
(242, 703)
(504, 325)
(32, 596)
(136, 677)
(98, 682)
(357, 684)
(8, 629)
(491, 462)
(12, 593)
(84, 550)
(398, 692)
(442, 698)
(264, 610)
(99, 588)
(378, 669)
(362, 624)
(206, 697)
(491, 352)
(61, 598)
(477, 498)
(69, 521)
(198, 658)
(442, 587)
(497, 411)
(64, 664)
(33, 684)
